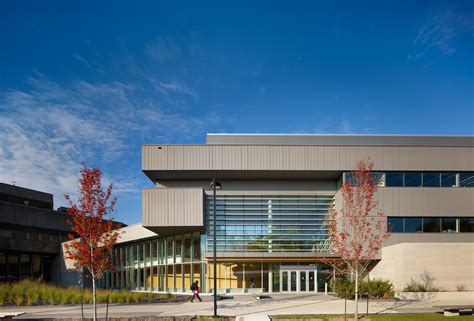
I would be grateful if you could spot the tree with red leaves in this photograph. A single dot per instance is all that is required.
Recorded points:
(91, 220)
(358, 229)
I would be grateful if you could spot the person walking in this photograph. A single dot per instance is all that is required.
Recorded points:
(195, 289)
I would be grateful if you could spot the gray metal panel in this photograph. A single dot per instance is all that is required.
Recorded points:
(339, 140)
(249, 162)
(181, 208)
(396, 238)
(419, 201)
(415, 201)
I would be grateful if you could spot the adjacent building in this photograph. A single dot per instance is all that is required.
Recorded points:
(31, 233)
(275, 193)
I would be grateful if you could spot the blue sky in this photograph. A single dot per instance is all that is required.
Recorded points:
(89, 82)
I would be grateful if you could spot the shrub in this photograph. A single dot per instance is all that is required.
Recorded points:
(377, 289)
(32, 297)
(460, 287)
(29, 292)
(4, 290)
(414, 286)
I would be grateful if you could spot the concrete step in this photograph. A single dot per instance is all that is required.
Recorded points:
(253, 317)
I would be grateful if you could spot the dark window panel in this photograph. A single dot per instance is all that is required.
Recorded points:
(448, 224)
(466, 224)
(3, 267)
(431, 225)
(394, 179)
(413, 224)
(395, 224)
(431, 180)
(466, 180)
(448, 179)
(13, 267)
(412, 179)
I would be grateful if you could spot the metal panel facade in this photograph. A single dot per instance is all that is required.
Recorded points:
(170, 207)
(304, 158)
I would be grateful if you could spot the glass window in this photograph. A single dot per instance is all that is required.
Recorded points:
(394, 179)
(197, 247)
(147, 251)
(412, 179)
(25, 266)
(178, 249)
(466, 179)
(3, 267)
(448, 179)
(448, 224)
(187, 245)
(154, 250)
(349, 178)
(431, 179)
(413, 225)
(35, 266)
(13, 267)
(395, 224)
(431, 225)
(466, 224)
(169, 250)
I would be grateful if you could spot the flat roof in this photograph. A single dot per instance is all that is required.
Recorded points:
(27, 193)
(340, 140)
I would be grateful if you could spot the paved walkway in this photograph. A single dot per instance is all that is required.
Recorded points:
(244, 307)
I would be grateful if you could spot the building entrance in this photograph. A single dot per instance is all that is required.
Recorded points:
(299, 280)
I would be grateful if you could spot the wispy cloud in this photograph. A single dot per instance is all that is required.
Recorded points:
(49, 129)
(162, 50)
(439, 33)
(85, 62)
(177, 88)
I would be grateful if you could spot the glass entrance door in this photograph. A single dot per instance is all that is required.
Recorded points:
(298, 281)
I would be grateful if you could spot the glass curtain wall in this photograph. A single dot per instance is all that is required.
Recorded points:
(160, 265)
(266, 223)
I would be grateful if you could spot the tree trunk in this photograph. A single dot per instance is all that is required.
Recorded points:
(94, 298)
(356, 314)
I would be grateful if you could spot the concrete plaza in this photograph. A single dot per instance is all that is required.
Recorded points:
(246, 307)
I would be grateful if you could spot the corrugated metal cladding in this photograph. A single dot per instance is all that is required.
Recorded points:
(340, 140)
(415, 201)
(303, 158)
(173, 207)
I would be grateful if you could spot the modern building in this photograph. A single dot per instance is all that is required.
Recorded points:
(275, 193)
(31, 233)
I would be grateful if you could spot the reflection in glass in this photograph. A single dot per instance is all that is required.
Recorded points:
(395, 224)
(448, 179)
(302, 280)
(448, 224)
(394, 179)
(284, 281)
(431, 180)
(413, 224)
(412, 179)
(293, 281)
(466, 224)
(466, 179)
(431, 225)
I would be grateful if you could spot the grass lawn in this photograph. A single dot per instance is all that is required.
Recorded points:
(376, 317)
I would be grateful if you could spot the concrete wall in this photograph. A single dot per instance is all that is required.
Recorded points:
(444, 264)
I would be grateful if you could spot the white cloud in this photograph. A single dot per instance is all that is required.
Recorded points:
(176, 87)
(439, 33)
(48, 130)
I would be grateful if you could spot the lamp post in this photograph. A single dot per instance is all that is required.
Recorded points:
(215, 185)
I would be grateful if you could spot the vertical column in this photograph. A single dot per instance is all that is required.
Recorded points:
(270, 277)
